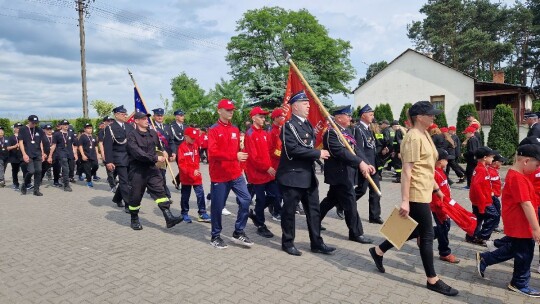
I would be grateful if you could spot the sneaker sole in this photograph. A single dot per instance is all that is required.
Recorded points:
(238, 242)
(217, 247)
(478, 263)
(513, 288)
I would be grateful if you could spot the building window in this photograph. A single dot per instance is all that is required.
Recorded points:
(438, 102)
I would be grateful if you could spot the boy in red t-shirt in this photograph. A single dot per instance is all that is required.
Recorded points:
(442, 221)
(188, 160)
(481, 196)
(203, 145)
(520, 218)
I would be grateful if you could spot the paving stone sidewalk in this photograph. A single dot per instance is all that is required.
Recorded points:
(78, 248)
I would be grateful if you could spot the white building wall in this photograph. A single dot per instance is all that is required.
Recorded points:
(413, 77)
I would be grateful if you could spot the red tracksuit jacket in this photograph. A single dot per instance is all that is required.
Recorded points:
(480, 192)
(496, 184)
(223, 148)
(258, 162)
(274, 145)
(436, 202)
(188, 160)
(203, 140)
(535, 179)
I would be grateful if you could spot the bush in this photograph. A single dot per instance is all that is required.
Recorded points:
(403, 115)
(536, 106)
(503, 135)
(462, 122)
(79, 124)
(440, 120)
(383, 111)
(6, 124)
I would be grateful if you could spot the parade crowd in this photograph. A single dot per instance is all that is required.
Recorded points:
(274, 164)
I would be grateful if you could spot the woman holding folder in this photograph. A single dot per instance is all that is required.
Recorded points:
(418, 154)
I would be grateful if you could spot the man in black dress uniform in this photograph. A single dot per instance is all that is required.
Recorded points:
(341, 173)
(177, 129)
(31, 147)
(144, 174)
(296, 177)
(116, 157)
(365, 142)
(164, 133)
(111, 177)
(532, 121)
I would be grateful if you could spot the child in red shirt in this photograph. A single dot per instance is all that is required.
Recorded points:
(442, 221)
(188, 160)
(481, 196)
(203, 145)
(496, 185)
(520, 218)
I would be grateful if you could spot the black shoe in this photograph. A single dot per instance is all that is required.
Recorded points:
(37, 193)
(291, 250)
(300, 210)
(264, 232)
(67, 188)
(323, 249)
(57, 184)
(170, 219)
(135, 224)
(119, 204)
(442, 288)
(72, 180)
(126, 209)
(339, 212)
(377, 259)
(450, 182)
(461, 180)
(23, 189)
(397, 181)
(377, 221)
(323, 228)
(361, 239)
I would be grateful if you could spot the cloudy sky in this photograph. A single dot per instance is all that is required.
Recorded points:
(157, 40)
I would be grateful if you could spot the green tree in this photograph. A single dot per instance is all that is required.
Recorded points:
(188, 95)
(383, 111)
(102, 107)
(256, 60)
(403, 114)
(503, 135)
(80, 122)
(373, 69)
(227, 89)
(536, 106)
(167, 106)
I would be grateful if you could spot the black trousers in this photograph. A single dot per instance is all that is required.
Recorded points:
(146, 179)
(310, 200)
(122, 193)
(111, 178)
(33, 169)
(452, 163)
(421, 213)
(164, 175)
(15, 168)
(57, 167)
(80, 166)
(90, 168)
(374, 198)
(65, 167)
(45, 166)
(344, 196)
(469, 170)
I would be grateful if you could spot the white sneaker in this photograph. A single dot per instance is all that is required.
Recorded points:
(491, 245)
(225, 212)
(538, 269)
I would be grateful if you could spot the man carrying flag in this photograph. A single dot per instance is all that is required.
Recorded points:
(164, 135)
(296, 176)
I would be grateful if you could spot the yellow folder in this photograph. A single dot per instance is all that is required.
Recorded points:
(397, 229)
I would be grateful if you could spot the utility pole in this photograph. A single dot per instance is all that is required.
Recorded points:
(82, 6)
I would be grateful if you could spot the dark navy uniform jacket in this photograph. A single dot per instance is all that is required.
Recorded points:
(114, 144)
(296, 165)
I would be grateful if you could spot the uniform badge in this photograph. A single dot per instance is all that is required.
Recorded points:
(233, 135)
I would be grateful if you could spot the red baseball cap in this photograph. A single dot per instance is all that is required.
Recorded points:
(475, 125)
(433, 126)
(444, 129)
(257, 111)
(226, 104)
(192, 132)
(277, 113)
(452, 128)
(469, 130)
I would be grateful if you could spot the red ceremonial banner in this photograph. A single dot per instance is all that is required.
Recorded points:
(315, 117)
